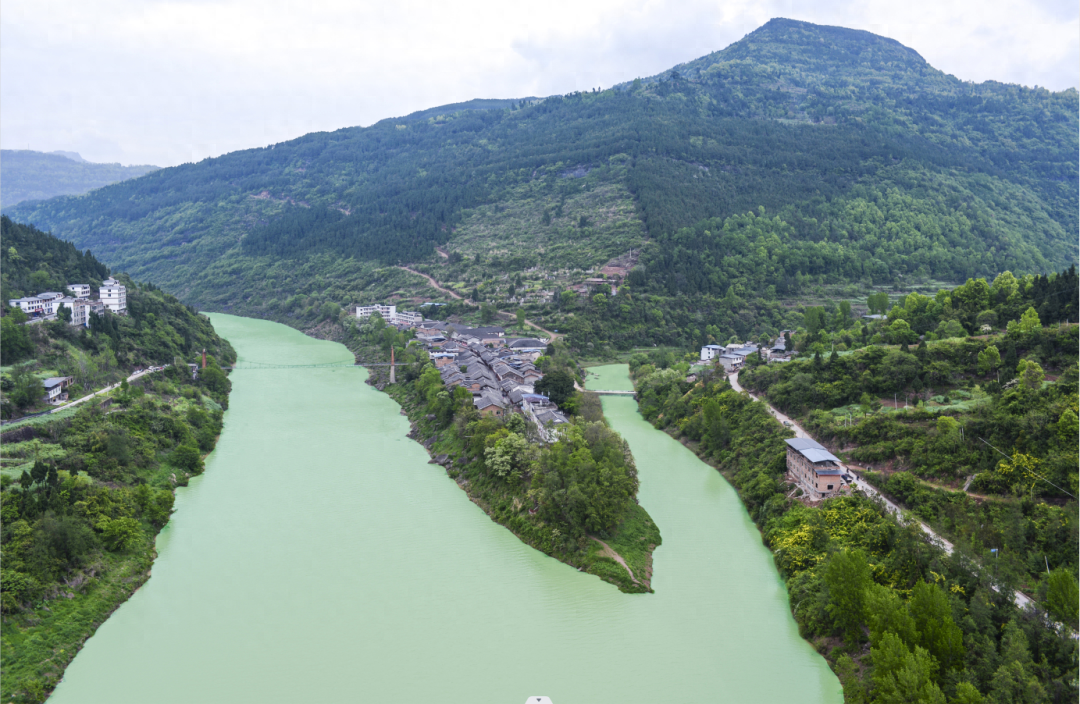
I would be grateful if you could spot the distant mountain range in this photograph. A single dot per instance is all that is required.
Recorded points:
(29, 175)
(798, 156)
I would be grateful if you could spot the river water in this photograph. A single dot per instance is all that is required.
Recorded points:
(320, 558)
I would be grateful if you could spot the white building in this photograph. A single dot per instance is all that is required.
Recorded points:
(79, 290)
(390, 314)
(31, 305)
(55, 388)
(711, 352)
(49, 301)
(80, 311)
(114, 295)
(368, 311)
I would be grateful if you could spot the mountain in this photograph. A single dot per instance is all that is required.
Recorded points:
(29, 175)
(797, 158)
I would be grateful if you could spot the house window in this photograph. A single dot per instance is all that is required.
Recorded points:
(830, 487)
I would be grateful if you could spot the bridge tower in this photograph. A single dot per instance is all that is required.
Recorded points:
(392, 378)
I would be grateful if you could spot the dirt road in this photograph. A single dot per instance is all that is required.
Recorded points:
(435, 285)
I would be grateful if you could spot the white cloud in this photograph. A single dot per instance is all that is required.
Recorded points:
(167, 82)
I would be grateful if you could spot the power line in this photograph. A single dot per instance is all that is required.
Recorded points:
(1035, 473)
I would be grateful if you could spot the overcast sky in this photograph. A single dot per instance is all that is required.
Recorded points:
(164, 82)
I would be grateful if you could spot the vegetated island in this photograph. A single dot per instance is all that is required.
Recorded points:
(898, 618)
(569, 491)
(85, 490)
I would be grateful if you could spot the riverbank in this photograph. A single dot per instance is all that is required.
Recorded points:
(848, 560)
(81, 521)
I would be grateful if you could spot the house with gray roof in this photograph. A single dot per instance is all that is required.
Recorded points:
(815, 470)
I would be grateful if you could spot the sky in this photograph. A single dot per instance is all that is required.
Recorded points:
(166, 82)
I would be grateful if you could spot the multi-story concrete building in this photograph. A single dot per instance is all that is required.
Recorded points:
(80, 311)
(390, 314)
(114, 295)
(79, 290)
(815, 470)
(31, 305)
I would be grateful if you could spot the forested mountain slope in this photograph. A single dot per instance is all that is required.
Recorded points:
(860, 161)
(30, 175)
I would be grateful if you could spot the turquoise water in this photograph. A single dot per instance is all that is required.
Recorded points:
(320, 558)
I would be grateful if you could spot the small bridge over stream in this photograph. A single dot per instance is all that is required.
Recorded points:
(610, 393)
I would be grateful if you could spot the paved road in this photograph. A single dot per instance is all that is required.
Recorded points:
(107, 389)
(1021, 599)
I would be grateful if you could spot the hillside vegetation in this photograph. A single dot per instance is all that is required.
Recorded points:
(861, 164)
(30, 175)
(84, 491)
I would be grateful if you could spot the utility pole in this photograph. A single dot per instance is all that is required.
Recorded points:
(204, 358)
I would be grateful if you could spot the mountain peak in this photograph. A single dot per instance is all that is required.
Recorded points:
(812, 48)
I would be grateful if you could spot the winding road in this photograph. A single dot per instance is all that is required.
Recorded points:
(1022, 600)
(435, 285)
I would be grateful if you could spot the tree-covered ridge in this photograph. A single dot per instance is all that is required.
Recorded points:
(32, 261)
(849, 138)
(30, 175)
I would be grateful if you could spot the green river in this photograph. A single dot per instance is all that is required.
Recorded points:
(320, 558)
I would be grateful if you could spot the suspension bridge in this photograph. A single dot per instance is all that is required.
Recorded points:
(251, 366)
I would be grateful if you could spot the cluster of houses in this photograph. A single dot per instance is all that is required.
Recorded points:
(497, 370)
(733, 356)
(112, 296)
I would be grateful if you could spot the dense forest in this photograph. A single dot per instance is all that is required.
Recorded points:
(30, 175)
(898, 620)
(32, 261)
(858, 161)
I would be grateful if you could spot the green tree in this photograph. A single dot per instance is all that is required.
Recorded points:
(967, 693)
(1063, 597)
(487, 313)
(938, 633)
(846, 578)
(886, 613)
(989, 360)
(878, 302)
(557, 385)
(187, 458)
(902, 676)
(1028, 323)
(26, 389)
(509, 457)
(1030, 373)
(15, 341)
(120, 533)
(520, 314)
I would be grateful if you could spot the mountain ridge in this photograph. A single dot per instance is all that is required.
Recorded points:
(878, 172)
(32, 175)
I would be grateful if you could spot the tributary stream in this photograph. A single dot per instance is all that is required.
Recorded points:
(320, 558)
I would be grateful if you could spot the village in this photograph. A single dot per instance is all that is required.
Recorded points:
(498, 370)
(112, 296)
